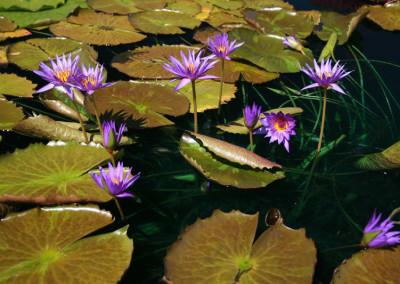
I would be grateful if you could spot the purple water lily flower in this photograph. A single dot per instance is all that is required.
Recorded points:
(90, 79)
(292, 42)
(251, 116)
(114, 181)
(278, 126)
(111, 137)
(191, 69)
(63, 74)
(221, 47)
(326, 76)
(377, 234)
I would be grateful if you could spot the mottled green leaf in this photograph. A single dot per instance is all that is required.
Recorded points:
(10, 114)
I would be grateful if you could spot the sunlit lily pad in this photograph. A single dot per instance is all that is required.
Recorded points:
(43, 17)
(125, 7)
(3, 55)
(228, 5)
(28, 54)
(265, 50)
(47, 245)
(32, 5)
(97, 28)
(226, 163)
(385, 160)
(10, 114)
(35, 174)
(281, 21)
(238, 126)
(217, 19)
(163, 21)
(387, 17)
(343, 25)
(7, 25)
(14, 34)
(370, 266)
(11, 84)
(141, 104)
(220, 249)
(261, 4)
(185, 6)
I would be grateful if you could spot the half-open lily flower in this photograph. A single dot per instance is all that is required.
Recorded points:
(292, 42)
(251, 116)
(221, 47)
(377, 234)
(278, 126)
(192, 68)
(326, 76)
(63, 73)
(111, 137)
(114, 181)
(90, 79)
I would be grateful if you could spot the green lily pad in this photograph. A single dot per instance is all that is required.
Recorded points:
(28, 54)
(35, 174)
(7, 25)
(11, 84)
(327, 52)
(385, 160)
(370, 266)
(265, 50)
(226, 163)
(228, 5)
(97, 28)
(386, 17)
(343, 25)
(32, 5)
(125, 7)
(46, 245)
(238, 127)
(220, 249)
(217, 19)
(185, 6)
(261, 4)
(44, 17)
(3, 55)
(163, 21)
(10, 114)
(281, 22)
(141, 104)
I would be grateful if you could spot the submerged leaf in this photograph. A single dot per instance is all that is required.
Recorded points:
(385, 160)
(226, 163)
(47, 245)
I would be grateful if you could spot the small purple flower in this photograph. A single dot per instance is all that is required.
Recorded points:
(221, 47)
(278, 126)
(63, 74)
(113, 181)
(378, 235)
(90, 79)
(251, 116)
(111, 137)
(191, 69)
(325, 76)
(292, 42)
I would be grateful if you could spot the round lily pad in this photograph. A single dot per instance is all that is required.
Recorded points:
(385, 160)
(7, 25)
(11, 84)
(265, 50)
(47, 245)
(35, 174)
(163, 21)
(97, 28)
(228, 5)
(140, 104)
(373, 266)
(220, 249)
(261, 4)
(226, 163)
(32, 5)
(217, 19)
(14, 34)
(125, 7)
(10, 114)
(387, 17)
(185, 6)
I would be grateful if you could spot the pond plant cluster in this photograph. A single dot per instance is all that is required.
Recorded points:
(90, 166)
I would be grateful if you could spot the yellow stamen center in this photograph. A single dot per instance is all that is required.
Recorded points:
(115, 181)
(221, 48)
(63, 75)
(327, 75)
(90, 79)
(191, 67)
(281, 125)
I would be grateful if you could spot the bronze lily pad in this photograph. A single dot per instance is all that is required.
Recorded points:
(11, 84)
(386, 17)
(385, 160)
(10, 114)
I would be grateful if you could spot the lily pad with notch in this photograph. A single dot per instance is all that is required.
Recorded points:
(387, 17)
(12, 84)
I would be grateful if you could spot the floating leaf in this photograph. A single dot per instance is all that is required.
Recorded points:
(261, 4)
(163, 21)
(228, 5)
(125, 7)
(47, 245)
(35, 174)
(32, 5)
(281, 22)
(3, 55)
(238, 126)
(265, 50)
(7, 25)
(185, 6)
(386, 17)
(370, 266)
(343, 25)
(45, 17)
(228, 164)
(328, 48)
(11, 84)
(10, 114)
(97, 28)
(28, 54)
(14, 34)
(217, 19)
(141, 104)
(220, 249)
(385, 160)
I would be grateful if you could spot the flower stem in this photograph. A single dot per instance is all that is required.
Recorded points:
(112, 158)
(80, 121)
(221, 86)
(251, 141)
(194, 106)
(98, 118)
(119, 208)
(322, 125)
